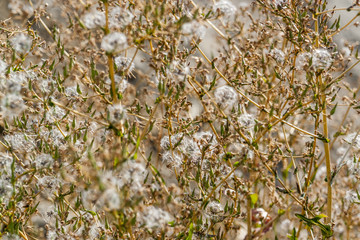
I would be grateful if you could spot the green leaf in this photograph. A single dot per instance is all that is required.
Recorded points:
(315, 221)
(322, 138)
(191, 230)
(212, 83)
(236, 164)
(253, 199)
(320, 216)
(78, 90)
(91, 212)
(281, 212)
(338, 134)
(157, 174)
(293, 235)
(338, 23)
(333, 109)
(73, 123)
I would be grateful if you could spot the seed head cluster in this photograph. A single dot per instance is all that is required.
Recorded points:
(178, 119)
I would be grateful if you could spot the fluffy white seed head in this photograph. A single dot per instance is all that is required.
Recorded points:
(120, 83)
(171, 160)
(120, 17)
(194, 29)
(226, 96)
(246, 120)
(153, 217)
(12, 105)
(114, 42)
(132, 175)
(117, 114)
(5, 162)
(302, 60)
(281, 3)
(18, 141)
(9, 236)
(213, 209)
(111, 199)
(350, 197)
(352, 137)
(3, 66)
(44, 161)
(321, 59)
(21, 43)
(278, 55)
(124, 64)
(5, 191)
(284, 227)
(204, 138)
(94, 19)
(225, 8)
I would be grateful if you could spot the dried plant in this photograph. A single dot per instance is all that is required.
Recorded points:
(178, 119)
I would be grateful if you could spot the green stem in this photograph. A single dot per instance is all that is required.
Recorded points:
(249, 216)
(327, 158)
(326, 132)
(110, 56)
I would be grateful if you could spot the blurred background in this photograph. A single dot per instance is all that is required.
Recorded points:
(13, 8)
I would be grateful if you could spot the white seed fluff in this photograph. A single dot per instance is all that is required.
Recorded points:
(114, 42)
(21, 43)
(321, 59)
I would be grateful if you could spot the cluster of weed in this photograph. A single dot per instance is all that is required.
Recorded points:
(177, 119)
